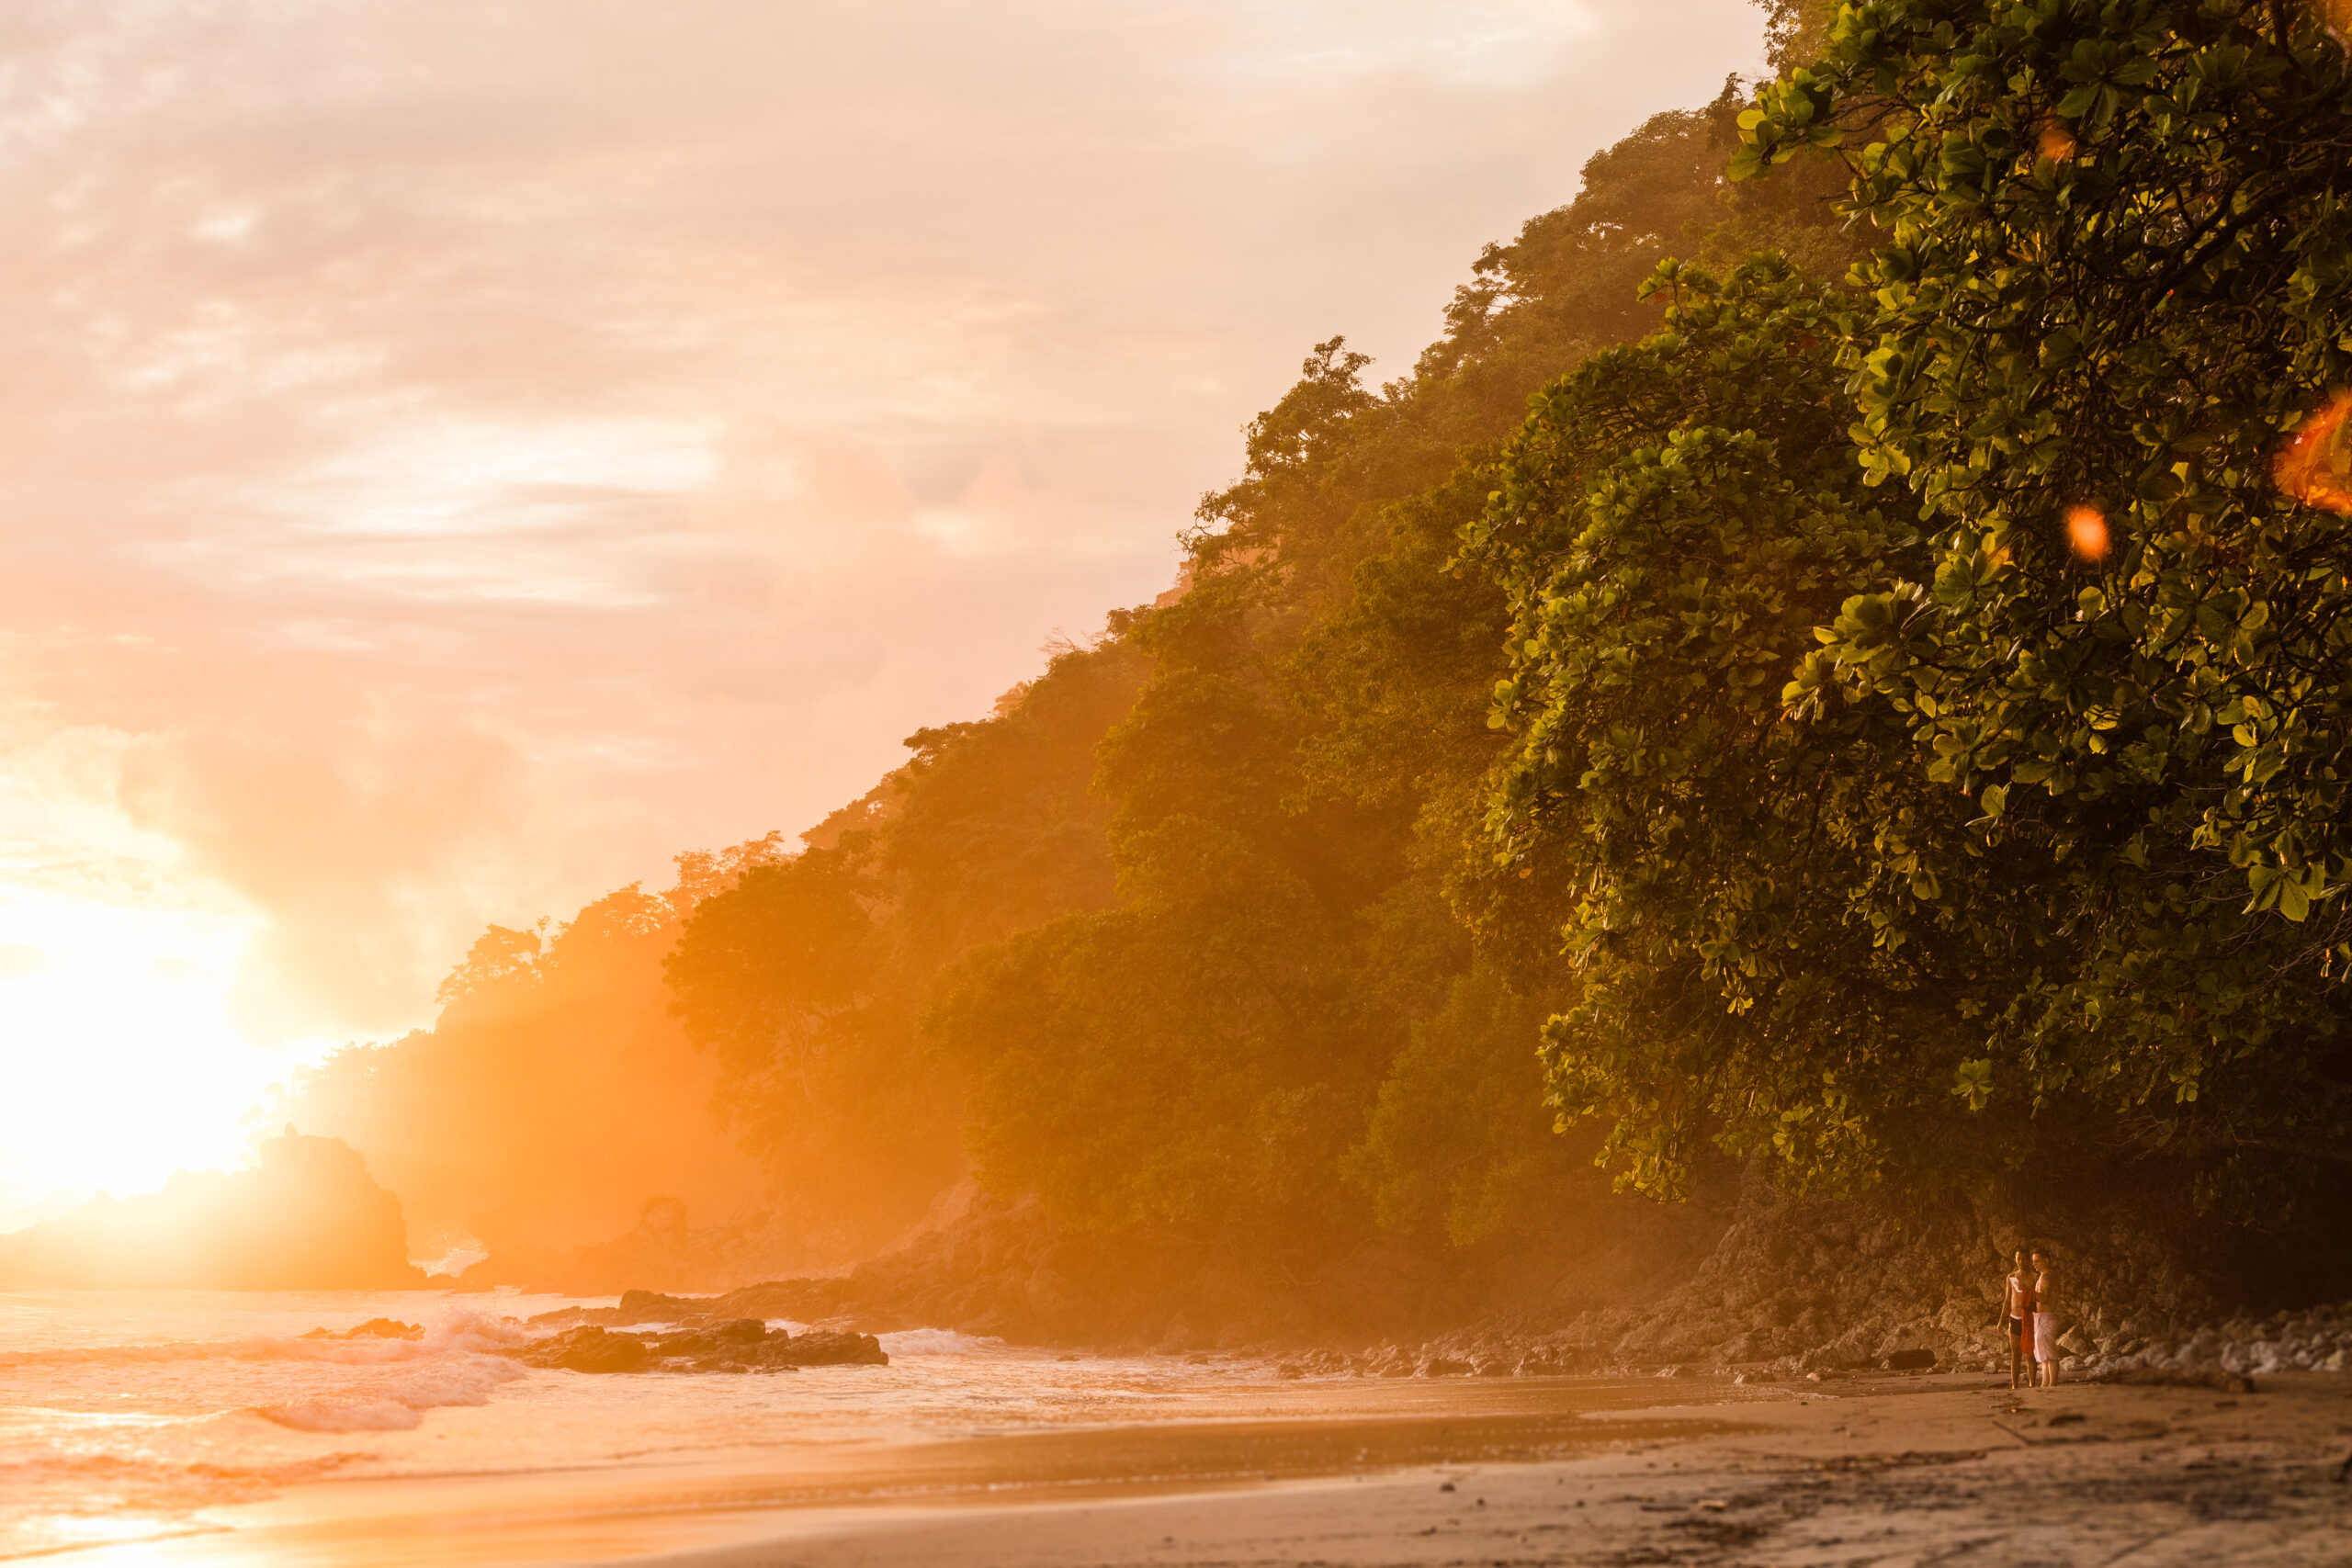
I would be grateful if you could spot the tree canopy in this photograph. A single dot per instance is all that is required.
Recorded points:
(2101, 347)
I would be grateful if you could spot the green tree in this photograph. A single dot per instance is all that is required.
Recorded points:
(2099, 348)
(1670, 526)
(805, 977)
(1289, 795)
(1459, 1143)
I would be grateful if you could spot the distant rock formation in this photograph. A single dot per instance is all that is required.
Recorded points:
(741, 1345)
(307, 1218)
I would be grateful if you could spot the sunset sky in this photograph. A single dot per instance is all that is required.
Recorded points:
(458, 454)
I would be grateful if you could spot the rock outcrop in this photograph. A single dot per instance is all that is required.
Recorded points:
(306, 1218)
(799, 1299)
(374, 1328)
(1801, 1289)
(739, 1345)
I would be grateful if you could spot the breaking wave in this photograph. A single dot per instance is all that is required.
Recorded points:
(365, 1384)
(456, 1331)
(397, 1404)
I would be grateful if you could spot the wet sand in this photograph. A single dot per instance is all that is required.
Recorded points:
(1898, 1472)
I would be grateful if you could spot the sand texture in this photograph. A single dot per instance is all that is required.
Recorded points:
(1934, 1472)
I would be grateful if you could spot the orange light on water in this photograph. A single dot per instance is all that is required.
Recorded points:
(2086, 532)
(2315, 465)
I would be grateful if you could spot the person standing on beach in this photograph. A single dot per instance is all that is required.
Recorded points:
(2016, 1316)
(2045, 1325)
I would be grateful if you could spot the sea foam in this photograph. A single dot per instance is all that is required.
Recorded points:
(936, 1342)
(396, 1403)
(462, 1330)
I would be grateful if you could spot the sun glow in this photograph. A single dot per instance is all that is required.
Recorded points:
(2315, 465)
(119, 1052)
(2086, 532)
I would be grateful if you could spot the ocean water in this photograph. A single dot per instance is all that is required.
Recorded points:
(125, 1414)
(154, 1427)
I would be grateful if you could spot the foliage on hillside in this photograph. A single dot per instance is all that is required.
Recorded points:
(1883, 724)
(1250, 1023)
(1283, 1037)
(2038, 849)
(805, 980)
(1670, 525)
(2110, 328)
(553, 1096)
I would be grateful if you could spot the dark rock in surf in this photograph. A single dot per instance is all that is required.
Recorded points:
(804, 1300)
(825, 1348)
(587, 1349)
(737, 1345)
(374, 1328)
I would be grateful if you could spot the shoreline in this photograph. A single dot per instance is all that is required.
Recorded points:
(1883, 1471)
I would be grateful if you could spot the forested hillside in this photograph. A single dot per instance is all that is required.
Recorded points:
(1832, 667)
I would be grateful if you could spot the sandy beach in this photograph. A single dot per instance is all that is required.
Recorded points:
(1893, 1472)
(1939, 1471)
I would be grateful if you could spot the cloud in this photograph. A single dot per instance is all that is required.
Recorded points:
(366, 840)
(453, 456)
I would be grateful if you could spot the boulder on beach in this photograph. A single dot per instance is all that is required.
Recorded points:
(307, 1217)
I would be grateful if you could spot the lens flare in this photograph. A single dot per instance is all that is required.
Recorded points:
(2086, 532)
(2315, 465)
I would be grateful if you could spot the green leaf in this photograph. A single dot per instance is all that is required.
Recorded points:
(1974, 1082)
